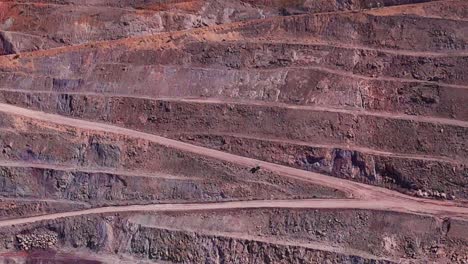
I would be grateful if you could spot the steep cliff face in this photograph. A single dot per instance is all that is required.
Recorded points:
(216, 131)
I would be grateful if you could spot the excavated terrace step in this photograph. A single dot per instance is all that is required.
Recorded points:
(60, 148)
(72, 168)
(406, 173)
(308, 233)
(404, 134)
(104, 188)
(33, 26)
(110, 25)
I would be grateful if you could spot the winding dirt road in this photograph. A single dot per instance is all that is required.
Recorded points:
(369, 73)
(352, 189)
(364, 196)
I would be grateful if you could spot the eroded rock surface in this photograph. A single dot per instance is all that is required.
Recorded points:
(216, 131)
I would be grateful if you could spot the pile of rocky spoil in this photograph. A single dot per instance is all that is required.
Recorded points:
(434, 194)
(37, 240)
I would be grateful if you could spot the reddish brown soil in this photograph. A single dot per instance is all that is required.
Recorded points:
(216, 131)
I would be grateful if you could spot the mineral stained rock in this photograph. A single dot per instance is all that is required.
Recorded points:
(233, 131)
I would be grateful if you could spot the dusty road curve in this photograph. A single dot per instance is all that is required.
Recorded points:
(352, 189)
(367, 196)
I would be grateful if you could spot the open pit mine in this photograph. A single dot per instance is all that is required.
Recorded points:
(233, 131)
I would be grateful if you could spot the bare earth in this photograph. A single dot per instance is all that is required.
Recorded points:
(215, 131)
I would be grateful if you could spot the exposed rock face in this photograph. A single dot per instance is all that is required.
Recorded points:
(6, 47)
(233, 131)
(278, 236)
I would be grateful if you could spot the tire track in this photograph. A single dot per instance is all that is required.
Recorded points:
(164, 38)
(381, 114)
(356, 190)
(335, 146)
(72, 168)
(383, 205)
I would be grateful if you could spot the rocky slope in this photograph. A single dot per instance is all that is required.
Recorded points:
(215, 131)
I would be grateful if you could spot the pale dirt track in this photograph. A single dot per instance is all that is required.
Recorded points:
(359, 196)
(384, 205)
(322, 246)
(327, 70)
(365, 196)
(61, 167)
(349, 147)
(380, 114)
(353, 189)
(161, 38)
